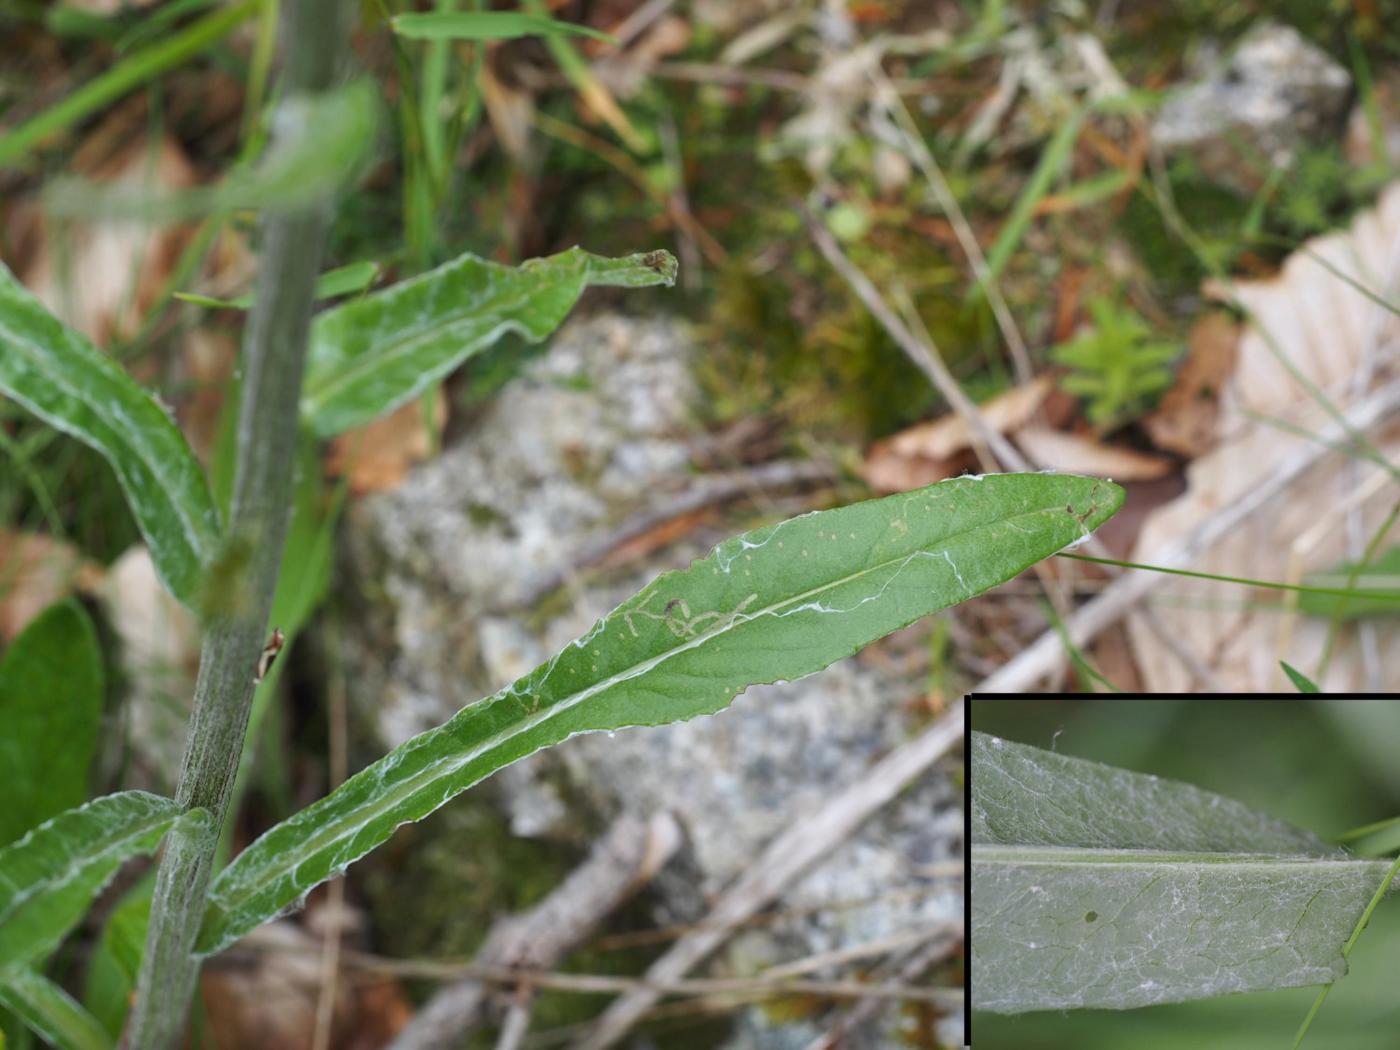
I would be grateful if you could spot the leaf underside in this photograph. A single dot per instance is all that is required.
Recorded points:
(1100, 887)
(777, 603)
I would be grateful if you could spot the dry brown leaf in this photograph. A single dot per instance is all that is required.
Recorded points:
(952, 433)
(510, 110)
(1074, 454)
(36, 571)
(625, 72)
(932, 451)
(1328, 331)
(112, 271)
(885, 470)
(1185, 420)
(377, 456)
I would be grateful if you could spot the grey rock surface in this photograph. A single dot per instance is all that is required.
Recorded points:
(1276, 93)
(592, 433)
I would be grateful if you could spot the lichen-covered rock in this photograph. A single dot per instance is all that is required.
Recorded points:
(591, 434)
(1276, 93)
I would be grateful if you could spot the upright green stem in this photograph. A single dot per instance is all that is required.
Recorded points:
(273, 355)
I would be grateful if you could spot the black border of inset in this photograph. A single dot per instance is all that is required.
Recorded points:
(968, 698)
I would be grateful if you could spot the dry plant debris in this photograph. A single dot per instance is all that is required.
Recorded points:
(1332, 335)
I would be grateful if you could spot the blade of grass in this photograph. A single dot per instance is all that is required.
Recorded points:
(1339, 613)
(431, 94)
(1051, 165)
(1269, 584)
(1076, 655)
(1333, 269)
(1346, 951)
(132, 72)
(594, 95)
(1302, 682)
(1373, 840)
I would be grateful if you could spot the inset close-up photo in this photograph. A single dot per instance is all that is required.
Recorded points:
(1213, 871)
(501, 501)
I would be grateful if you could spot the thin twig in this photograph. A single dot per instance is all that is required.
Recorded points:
(592, 984)
(921, 350)
(919, 961)
(675, 932)
(925, 359)
(779, 79)
(517, 1022)
(782, 861)
(947, 932)
(634, 25)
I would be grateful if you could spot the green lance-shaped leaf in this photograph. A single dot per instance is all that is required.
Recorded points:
(62, 378)
(371, 355)
(1100, 887)
(50, 709)
(50, 1011)
(774, 604)
(49, 877)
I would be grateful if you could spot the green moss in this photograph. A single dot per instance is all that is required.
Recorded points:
(435, 888)
(797, 343)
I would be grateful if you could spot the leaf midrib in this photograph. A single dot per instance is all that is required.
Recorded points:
(1061, 856)
(445, 766)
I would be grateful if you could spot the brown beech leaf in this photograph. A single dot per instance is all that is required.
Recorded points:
(1186, 419)
(1076, 454)
(376, 456)
(941, 448)
(36, 571)
(1328, 331)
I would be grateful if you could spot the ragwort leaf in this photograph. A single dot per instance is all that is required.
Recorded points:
(50, 1011)
(777, 603)
(50, 877)
(62, 378)
(371, 355)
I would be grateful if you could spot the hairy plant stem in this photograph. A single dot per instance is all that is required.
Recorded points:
(273, 355)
